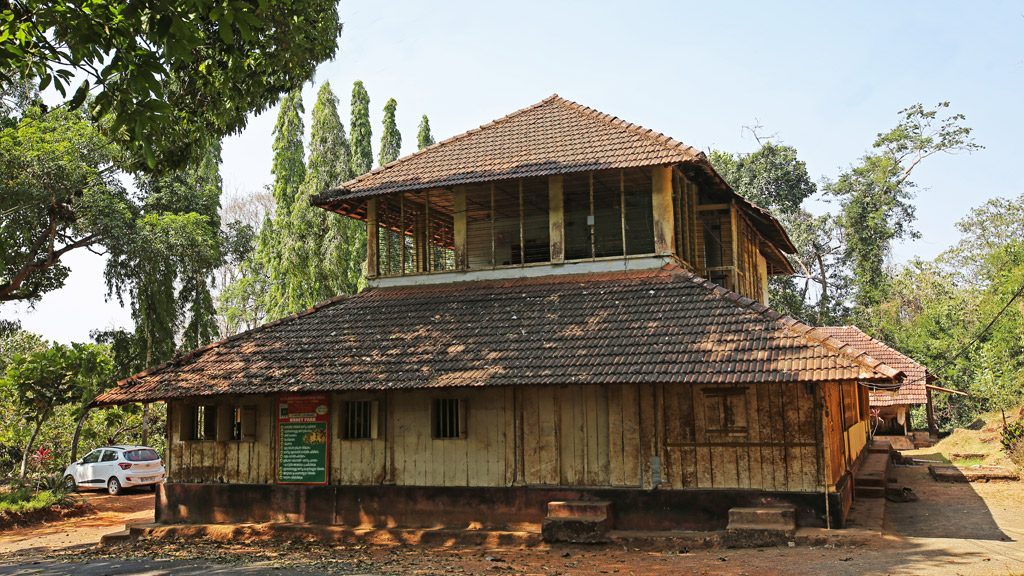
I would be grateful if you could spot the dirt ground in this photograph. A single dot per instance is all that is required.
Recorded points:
(954, 529)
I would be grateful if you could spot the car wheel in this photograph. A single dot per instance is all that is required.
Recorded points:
(69, 484)
(114, 486)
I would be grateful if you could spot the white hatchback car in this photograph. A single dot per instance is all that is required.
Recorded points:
(116, 468)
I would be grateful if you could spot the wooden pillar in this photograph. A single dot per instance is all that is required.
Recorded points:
(371, 237)
(734, 280)
(461, 248)
(664, 218)
(419, 240)
(932, 430)
(556, 218)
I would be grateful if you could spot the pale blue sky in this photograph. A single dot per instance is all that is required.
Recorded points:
(824, 77)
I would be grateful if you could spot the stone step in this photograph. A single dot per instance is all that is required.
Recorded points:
(871, 479)
(579, 509)
(763, 518)
(869, 492)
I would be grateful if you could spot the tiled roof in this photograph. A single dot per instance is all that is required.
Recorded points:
(912, 389)
(648, 326)
(553, 136)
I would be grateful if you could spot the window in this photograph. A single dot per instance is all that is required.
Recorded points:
(204, 423)
(360, 420)
(143, 455)
(850, 409)
(243, 423)
(92, 457)
(109, 456)
(448, 418)
(725, 410)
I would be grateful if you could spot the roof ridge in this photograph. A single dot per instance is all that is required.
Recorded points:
(646, 133)
(809, 333)
(217, 344)
(444, 142)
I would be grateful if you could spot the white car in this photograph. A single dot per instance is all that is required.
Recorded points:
(116, 468)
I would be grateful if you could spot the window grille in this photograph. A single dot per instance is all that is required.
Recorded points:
(360, 420)
(448, 418)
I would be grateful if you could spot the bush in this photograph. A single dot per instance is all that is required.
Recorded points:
(1016, 454)
(23, 500)
(1013, 434)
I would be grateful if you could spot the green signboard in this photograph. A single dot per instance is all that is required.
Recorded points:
(302, 439)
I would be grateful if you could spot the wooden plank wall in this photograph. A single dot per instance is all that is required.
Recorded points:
(482, 457)
(584, 436)
(243, 462)
(739, 250)
(778, 450)
(357, 461)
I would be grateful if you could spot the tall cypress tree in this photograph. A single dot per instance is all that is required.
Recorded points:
(289, 171)
(329, 249)
(391, 140)
(362, 135)
(288, 168)
(424, 138)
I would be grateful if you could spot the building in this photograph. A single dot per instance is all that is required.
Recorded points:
(538, 327)
(894, 403)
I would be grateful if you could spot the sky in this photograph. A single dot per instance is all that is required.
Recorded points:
(823, 77)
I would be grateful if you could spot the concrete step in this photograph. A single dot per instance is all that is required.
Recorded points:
(579, 521)
(763, 518)
(579, 509)
(870, 492)
(760, 526)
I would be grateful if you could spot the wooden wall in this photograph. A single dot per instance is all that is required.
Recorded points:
(221, 460)
(679, 436)
(742, 265)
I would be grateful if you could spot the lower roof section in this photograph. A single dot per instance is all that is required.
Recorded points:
(657, 325)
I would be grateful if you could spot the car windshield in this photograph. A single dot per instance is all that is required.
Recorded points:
(143, 455)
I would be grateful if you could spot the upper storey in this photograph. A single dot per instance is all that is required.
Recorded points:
(559, 183)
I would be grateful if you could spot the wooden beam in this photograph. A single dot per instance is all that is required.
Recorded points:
(556, 218)
(461, 248)
(664, 218)
(371, 237)
(712, 207)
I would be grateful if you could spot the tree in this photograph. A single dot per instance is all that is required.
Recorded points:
(237, 302)
(423, 137)
(875, 196)
(774, 178)
(53, 377)
(330, 249)
(362, 153)
(278, 243)
(171, 76)
(391, 140)
(60, 193)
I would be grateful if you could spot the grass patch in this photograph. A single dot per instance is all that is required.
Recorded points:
(24, 500)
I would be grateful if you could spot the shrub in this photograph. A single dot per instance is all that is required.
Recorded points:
(1013, 433)
(1016, 454)
(22, 500)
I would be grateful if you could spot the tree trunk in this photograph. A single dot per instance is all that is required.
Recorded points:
(32, 440)
(78, 434)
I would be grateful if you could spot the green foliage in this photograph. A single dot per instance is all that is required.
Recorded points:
(1013, 435)
(58, 193)
(362, 152)
(391, 140)
(27, 500)
(289, 168)
(166, 264)
(43, 381)
(172, 76)
(423, 137)
(875, 196)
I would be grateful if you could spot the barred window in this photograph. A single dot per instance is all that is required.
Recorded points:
(448, 418)
(360, 420)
